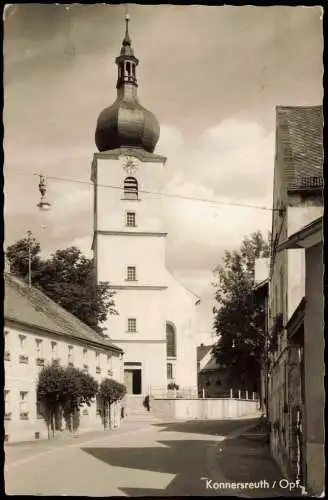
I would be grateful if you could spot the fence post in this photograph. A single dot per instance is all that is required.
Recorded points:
(231, 394)
(239, 393)
(246, 394)
(253, 396)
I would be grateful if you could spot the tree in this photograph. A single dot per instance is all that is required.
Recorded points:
(49, 391)
(238, 321)
(68, 278)
(66, 390)
(78, 389)
(110, 391)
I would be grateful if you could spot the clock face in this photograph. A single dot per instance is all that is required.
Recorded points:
(130, 165)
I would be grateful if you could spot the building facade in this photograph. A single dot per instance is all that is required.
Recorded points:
(37, 333)
(213, 379)
(297, 200)
(305, 331)
(156, 322)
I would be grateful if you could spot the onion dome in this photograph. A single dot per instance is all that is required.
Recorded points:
(126, 123)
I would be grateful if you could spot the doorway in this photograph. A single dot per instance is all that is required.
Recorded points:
(132, 380)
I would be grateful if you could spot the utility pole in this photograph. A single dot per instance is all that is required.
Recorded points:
(29, 234)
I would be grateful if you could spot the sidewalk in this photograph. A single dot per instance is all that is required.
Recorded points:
(18, 451)
(247, 459)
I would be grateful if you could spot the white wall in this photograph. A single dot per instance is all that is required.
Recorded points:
(152, 356)
(181, 311)
(111, 207)
(261, 269)
(204, 409)
(298, 217)
(146, 306)
(302, 215)
(146, 253)
(296, 279)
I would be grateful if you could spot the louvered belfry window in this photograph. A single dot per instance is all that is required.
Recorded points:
(131, 188)
(170, 341)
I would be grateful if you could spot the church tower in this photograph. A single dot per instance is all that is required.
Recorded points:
(129, 237)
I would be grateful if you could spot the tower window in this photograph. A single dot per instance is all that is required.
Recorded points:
(132, 325)
(128, 68)
(169, 368)
(170, 341)
(131, 188)
(131, 273)
(131, 219)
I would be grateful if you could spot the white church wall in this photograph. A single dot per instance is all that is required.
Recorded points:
(146, 306)
(111, 205)
(147, 254)
(152, 356)
(181, 311)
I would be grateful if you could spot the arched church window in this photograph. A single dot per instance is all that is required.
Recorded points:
(171, 350)
(131, 188)
(128, 68)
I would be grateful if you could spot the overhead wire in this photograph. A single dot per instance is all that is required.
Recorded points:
(161, 194)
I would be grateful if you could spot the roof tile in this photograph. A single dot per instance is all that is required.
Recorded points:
(300, 135)
(32, 307)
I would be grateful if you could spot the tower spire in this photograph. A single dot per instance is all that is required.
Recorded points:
(127, 39)
(126, 62)
(126, 123)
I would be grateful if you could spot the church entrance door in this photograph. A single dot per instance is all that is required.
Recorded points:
(132, 381)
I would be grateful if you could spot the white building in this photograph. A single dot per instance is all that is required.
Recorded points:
(37, 332)
(156, 322)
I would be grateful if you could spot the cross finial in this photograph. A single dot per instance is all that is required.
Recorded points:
(127, 40)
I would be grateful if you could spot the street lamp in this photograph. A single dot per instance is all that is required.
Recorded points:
(43, 204)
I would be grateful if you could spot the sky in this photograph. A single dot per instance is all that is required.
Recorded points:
(212, 76)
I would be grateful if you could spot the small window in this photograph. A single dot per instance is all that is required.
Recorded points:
(131, 273)
(22, 339)
(131, 219)
(169, 367)
(85, 354)
(70, 353)
(131, 188)
(54, 348)
(132, 325)
(23, 405)
(38, 343)
(97, 357)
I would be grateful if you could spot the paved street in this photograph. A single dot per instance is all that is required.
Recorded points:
(143, 459)
(139, 459)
